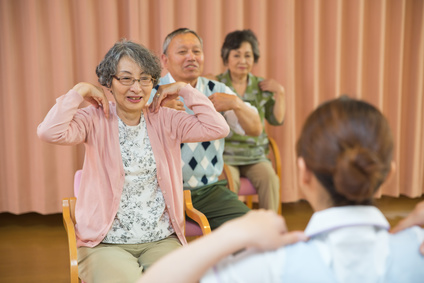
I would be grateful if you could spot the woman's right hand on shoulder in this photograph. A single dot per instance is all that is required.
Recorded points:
(94, 95)
(264, 230)
(416, 217)
(168, 96)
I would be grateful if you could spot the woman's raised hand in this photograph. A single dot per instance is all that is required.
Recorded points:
(416, 217)
(263, 230)
(271, 85)
(94, 95)
(167, 95)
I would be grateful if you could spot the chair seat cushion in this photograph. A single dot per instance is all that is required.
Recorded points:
(192, 229)
(246, 187)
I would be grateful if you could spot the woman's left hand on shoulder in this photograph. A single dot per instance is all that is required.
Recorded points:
(263, 230)
(166, 93)
(271, 85)
(416, 217)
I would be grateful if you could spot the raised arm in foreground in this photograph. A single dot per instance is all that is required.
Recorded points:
(261, 230)
(416, 217)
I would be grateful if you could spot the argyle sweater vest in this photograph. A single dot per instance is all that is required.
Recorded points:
(202, 162)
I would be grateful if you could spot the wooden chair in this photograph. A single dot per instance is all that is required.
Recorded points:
(192, 229)
(197, 228)
(68, 215)
(198, 224)
(247, 190)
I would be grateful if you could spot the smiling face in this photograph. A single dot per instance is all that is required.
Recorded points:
(130, 100)
(241, 60)
(184, 58)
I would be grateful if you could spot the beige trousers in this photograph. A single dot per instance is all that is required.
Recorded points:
(263, 178)
(121, 263)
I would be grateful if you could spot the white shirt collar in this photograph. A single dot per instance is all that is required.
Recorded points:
(345, 216)
(168, 78)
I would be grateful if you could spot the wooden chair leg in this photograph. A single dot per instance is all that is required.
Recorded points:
(249, 201)
(68, 206)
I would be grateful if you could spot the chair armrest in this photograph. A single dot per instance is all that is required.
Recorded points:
(229, 177)
(68, 205)
(277, 158)
(277, 164)
(194, 214)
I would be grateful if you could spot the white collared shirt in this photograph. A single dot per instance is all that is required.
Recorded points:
(351, 235)
(230, 115)
(352, 241)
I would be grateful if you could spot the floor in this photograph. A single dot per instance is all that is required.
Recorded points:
(33, 247)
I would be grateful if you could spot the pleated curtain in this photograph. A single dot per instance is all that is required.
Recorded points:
(317, 49)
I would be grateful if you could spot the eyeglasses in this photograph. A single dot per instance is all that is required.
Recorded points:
(129, 81)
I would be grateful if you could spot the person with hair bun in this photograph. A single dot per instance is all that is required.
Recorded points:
(345, 153)
(348, 160)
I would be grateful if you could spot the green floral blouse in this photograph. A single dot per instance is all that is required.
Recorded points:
(244, 150)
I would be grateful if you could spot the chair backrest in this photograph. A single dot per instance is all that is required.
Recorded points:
(77, 181)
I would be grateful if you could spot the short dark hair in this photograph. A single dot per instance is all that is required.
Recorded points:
(233, 41)
(176, 32)
(145, 58)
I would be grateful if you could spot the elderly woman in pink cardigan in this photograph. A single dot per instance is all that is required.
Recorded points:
(130, 203)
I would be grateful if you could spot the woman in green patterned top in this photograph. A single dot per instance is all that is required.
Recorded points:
(246, 155)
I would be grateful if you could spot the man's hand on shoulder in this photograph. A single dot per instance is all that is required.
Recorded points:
(224, 102)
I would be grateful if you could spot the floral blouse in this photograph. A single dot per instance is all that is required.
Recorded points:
(243, 149)
(142, 216)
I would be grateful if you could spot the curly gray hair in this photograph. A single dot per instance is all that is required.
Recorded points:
(145, 58)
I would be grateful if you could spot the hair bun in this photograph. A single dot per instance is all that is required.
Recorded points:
(357, 174)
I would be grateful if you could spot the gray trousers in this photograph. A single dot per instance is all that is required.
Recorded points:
(263, 178)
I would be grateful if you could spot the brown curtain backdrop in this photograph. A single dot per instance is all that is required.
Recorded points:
(371, 49)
